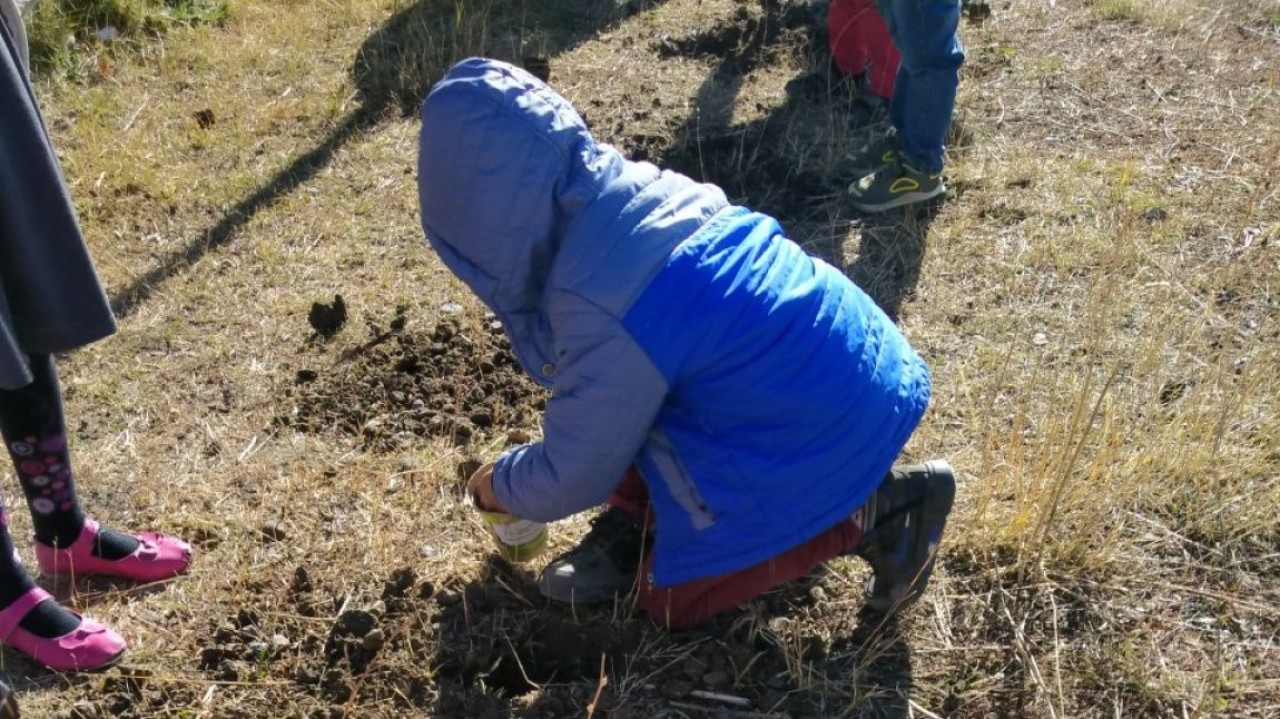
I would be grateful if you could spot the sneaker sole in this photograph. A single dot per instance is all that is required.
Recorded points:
(933, 520)
(907, 198)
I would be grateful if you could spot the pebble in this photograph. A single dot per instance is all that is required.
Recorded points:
(374, 640)
(273, 530)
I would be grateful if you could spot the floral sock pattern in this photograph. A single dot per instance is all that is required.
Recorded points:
(34, 430)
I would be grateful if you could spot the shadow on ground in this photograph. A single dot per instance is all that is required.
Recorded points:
(502, 650)
(787, 163)
(392, 71)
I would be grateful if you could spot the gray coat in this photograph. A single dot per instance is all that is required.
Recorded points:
(50, 297)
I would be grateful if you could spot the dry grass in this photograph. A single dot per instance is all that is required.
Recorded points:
(1098, 299)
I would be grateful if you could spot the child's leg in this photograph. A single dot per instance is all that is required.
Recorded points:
(844, 35)
(33, 623)
(35, 433)
(925, 33)
(687, 605)
(48, 619)
(884, 57)
(67, 542)
(897, 531)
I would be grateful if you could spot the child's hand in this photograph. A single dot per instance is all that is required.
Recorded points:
(480, 487)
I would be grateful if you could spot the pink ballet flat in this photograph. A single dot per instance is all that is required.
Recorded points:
(157, 557)
(86, 648)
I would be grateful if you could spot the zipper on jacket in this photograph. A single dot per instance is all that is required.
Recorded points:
(678, 481)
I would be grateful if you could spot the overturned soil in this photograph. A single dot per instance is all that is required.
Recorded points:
(455, 379)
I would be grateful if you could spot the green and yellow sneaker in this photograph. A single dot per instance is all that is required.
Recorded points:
(895, 185)
(875, 153)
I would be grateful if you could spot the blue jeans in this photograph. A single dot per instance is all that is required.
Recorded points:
(924, 93)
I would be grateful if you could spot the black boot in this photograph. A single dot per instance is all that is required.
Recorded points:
(603, 566)
(911, 511)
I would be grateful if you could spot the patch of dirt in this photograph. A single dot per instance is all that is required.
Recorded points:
(457, 380)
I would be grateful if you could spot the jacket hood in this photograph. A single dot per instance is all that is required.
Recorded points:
(504, 167)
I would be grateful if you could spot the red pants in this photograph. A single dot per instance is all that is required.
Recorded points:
(860, 43)
(688, 604)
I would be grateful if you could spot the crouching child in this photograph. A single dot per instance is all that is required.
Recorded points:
(737, 404)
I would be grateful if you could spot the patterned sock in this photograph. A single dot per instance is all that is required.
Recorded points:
(35, 434)
(48, 619)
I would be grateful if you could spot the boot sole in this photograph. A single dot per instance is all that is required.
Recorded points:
(937, 503)
(907, 198)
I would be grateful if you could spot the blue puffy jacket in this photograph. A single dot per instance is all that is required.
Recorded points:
(761, 394)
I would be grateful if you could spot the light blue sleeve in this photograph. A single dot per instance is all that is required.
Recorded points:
(605, 398)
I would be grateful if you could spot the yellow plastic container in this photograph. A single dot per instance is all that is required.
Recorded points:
(518, 540)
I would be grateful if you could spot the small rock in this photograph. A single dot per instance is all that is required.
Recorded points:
(450, 308)
(130, 682)
(519, 436)
(301, 581)
(273, 530)
(225, 633)
(1040, 339)
(374, 640)
(428, 551)
(354, 623)
(399, 584)
(211, 657)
